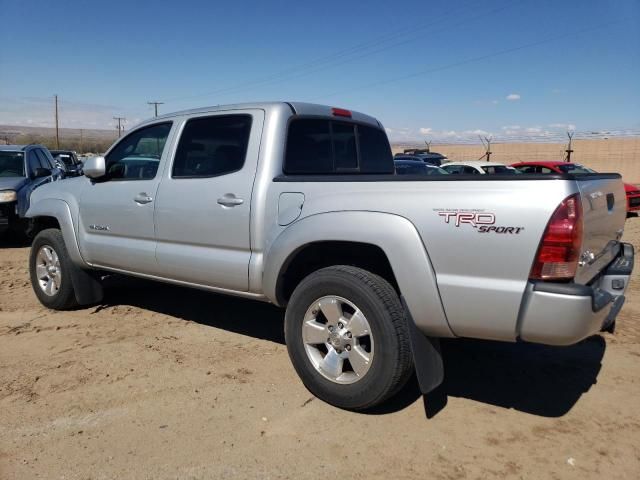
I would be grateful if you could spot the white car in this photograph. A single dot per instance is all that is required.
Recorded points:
(478, 167)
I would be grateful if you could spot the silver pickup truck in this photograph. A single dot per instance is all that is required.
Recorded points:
(298, 205)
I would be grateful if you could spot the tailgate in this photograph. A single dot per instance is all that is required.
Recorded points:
(604, 208)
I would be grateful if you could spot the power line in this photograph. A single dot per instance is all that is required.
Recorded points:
(331, 60)
(473, 59)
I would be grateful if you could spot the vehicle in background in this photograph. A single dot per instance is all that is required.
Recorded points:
(478, 167)
(23, 168)
(432, 158)
(299, 205)
(416, 167)
(632, 191)
(70, 160)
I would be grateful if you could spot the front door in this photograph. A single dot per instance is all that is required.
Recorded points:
(116, 227)
(203, 210)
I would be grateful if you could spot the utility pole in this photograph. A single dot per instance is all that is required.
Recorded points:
(569, 150)
(428, 145)
(120, 126)
(155, 106)
(57, 132)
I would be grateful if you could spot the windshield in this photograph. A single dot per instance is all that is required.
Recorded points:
(432, 170)
(575, 168)
(498, 169)
(12, 164)
(66, 158)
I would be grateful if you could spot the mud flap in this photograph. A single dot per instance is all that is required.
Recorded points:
(88, 289)
(427, 357)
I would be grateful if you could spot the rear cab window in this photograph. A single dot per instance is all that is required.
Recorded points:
(327, 146)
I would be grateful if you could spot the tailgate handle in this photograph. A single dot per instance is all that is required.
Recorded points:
(611, 201)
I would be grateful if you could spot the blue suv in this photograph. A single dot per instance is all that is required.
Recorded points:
(23, 168)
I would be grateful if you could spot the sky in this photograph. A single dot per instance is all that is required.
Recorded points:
(433, 70)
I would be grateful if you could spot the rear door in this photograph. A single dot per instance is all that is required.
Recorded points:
(203, 210)
(604, 209)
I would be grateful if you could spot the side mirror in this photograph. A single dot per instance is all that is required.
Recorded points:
(94, 167)
(41, 172)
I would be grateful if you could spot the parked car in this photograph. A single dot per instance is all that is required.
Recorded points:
(298, 205)
(23, 168)
(69, 160)
(632, 191)
(416, 167)
(436, 159)
(479, 167)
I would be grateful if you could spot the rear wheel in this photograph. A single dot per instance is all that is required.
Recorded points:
(347, 337)
(49, 268)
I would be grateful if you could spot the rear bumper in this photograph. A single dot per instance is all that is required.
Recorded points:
(565, 313)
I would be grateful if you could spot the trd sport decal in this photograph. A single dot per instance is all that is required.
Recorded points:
(482, 221)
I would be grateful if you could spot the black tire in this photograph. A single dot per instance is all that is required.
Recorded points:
(64, 298)
(392, 364)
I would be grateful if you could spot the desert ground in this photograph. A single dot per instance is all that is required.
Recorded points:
(160, 382)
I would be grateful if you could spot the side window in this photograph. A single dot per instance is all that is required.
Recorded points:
(455, 169)
(137, 156)
(44, 159)
(320, 146)
(470, 171)
(34, 162)
(545, 170)
(526, 169)
(212, 146)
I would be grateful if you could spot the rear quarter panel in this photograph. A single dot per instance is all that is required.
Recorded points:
(481, 277)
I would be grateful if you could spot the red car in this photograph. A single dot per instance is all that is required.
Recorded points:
(633, 192)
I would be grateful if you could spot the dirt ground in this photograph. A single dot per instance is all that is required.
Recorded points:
(161, 382)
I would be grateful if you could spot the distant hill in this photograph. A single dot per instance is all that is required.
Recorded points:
(80, 140)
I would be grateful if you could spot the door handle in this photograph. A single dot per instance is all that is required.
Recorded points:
(230, 200)
(142, 198)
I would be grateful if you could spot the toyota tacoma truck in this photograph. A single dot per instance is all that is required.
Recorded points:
(298, 205)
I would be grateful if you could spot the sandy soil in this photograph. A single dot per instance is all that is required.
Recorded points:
(162, 382)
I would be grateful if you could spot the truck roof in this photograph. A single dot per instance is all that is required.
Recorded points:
(297, 108)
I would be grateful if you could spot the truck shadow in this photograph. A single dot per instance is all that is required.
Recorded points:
(12, 241)
(536, 379)
(238, 315)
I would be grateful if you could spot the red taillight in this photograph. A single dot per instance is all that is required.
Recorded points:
(559, 250)
(341, 112)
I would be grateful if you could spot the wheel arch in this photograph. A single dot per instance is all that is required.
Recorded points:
(395, 237)
(55, 213)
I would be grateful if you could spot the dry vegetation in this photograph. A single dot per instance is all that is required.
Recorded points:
(81, 141)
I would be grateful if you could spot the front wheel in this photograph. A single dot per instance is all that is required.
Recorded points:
(347, 337)
(50, 271)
